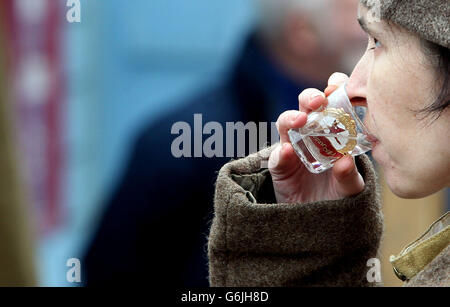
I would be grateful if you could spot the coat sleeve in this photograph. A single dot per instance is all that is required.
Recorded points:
(255, 242)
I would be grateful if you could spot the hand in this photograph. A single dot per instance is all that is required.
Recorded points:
(292, 182)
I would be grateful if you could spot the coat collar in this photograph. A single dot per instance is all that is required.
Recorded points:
(417, 255)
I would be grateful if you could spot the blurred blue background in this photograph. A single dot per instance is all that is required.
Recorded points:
(128, 64)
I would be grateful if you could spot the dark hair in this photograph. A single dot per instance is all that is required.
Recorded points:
(439, 56)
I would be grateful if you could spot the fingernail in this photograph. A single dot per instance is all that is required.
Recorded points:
(293, 116)
(298, 115)
(315, 97)
(329, 90)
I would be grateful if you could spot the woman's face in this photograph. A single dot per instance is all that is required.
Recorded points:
(394, 79)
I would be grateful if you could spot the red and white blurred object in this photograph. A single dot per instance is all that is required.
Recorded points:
(34, 41)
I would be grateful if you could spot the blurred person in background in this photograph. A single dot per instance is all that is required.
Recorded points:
(154, 229)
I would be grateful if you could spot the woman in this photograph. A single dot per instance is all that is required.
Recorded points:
(287, 227)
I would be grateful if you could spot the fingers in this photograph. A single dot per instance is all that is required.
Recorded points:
(349, 181)
(311, 99)
(338, 79)
(335, 80)
(330, 89)
(283, 161)
(290, 120)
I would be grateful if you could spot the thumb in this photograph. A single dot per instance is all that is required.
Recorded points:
(348, 180)
(283, 162)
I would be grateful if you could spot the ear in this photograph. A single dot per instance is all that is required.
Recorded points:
(300, 35)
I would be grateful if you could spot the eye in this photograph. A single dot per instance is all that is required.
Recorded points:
(375, 42)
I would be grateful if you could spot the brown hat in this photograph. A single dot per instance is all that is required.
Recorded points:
(430, 19)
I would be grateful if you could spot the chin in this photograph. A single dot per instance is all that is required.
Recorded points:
(405, 187)
(401, 184)
(406, 193)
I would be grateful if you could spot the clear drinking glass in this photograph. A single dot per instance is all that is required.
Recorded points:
(331, 133)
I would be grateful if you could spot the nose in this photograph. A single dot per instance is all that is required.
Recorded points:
(357, 84)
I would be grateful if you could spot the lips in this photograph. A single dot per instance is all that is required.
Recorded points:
(372, 139)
